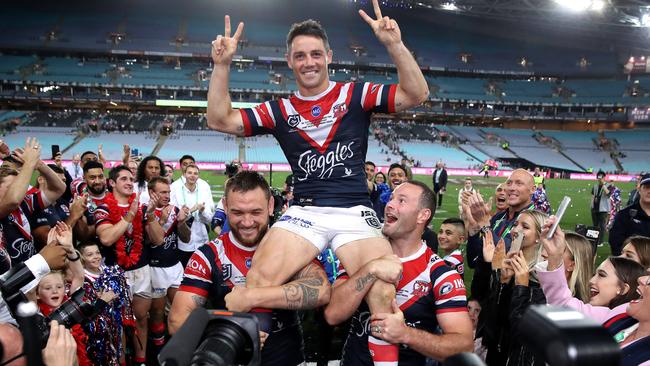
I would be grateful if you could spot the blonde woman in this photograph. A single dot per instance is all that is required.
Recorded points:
(578, 260)
(509, 299)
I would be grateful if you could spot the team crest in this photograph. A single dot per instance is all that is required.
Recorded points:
(339, 109)
(226, 272)
(373, 222)
(293, 120)
(421, 288)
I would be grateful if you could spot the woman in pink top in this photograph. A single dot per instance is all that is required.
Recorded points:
(611, 289)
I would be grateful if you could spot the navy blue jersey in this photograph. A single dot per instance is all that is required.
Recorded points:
(49, 216)
(16, 227)
(218, 266)
(428, 287)
(325, 139)
(166, 254)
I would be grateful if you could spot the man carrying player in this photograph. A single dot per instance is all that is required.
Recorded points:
(323, 131)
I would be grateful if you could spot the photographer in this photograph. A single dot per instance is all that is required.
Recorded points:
(600, 207)
(60, 350)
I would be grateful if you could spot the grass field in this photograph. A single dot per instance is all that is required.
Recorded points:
(578, 212)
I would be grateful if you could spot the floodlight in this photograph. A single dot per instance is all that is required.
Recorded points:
(575, 5)
(597, 5)
(645, 20)
(448, 6)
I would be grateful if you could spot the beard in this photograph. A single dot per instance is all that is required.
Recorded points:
(96, 191)
(255, 240)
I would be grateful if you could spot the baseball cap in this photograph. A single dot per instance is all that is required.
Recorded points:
(645, 179)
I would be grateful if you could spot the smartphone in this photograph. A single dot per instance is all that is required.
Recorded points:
(134, 152)
(55, 151)
(515, 244)
(560, 212)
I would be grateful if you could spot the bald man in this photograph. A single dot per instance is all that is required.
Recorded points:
(12, 345)
(519, 189)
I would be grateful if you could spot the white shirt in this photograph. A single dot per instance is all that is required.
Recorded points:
(144, 192)
(182, 196)
(75, 171)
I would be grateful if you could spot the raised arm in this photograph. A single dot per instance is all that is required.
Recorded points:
(109, 233)
(220, 115)
(28, 157)
(412, 89)
(308, 290)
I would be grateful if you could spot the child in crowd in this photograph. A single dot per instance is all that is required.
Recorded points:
(474, 310)
(107, 288)
(450, 237)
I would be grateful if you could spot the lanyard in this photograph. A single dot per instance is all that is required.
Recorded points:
(506, 230)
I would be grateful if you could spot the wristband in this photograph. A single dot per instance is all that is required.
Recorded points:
(74, 259)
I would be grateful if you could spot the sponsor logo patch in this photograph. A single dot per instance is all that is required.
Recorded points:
(293, 120)
(445, 288)
(315, 111)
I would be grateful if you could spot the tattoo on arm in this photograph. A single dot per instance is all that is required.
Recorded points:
(199, 300)
(304, 291)
(364, 281)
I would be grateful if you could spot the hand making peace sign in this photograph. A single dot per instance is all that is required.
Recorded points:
(385, 28)
(224, 47)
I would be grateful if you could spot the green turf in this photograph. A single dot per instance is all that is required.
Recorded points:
(578, 212)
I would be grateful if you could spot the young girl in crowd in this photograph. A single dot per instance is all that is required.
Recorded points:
(509, 299)
(637, 248)
(107, 288)
(612, 287)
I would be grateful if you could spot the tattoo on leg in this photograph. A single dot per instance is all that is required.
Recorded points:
(199, 300)
(364, 281)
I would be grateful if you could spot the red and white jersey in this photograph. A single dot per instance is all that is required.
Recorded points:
(428, 288)
(325, 139)
(455, 261)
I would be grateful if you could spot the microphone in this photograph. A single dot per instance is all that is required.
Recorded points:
(181, 346)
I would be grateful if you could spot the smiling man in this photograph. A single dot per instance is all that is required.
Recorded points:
(519, 189)
(323, 130)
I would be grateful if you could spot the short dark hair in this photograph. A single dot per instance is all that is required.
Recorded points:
(93, 165)
(86, 153)
(55, 168)
(427, 198)
(140, 174)
(600, 174)
(308, 27)
(185, 157)
(397, 166)
(370, 163)
(456, 222)
(86, 244)
(115, 171)
(155, 180)
(247, 180)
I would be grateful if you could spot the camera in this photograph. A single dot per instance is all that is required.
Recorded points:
(213, 337)
(589, 232)
(561, 337)
(72, 312)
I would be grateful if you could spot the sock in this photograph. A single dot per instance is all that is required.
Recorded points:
(382, 352)
(158, 333)
(264, 318)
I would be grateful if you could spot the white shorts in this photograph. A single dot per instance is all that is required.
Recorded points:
(333, 226)
(163, 278)
(139, 281)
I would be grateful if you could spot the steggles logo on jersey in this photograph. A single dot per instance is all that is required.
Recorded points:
(322, 166)
(22, 247)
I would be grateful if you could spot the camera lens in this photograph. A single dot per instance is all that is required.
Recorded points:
(221, 346)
